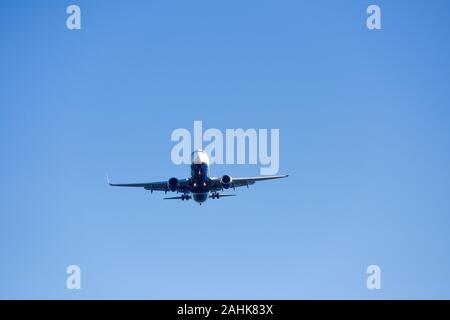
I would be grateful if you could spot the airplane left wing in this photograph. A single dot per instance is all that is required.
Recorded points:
(152, 186)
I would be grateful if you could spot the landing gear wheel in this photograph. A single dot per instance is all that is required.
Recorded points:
(215, 195)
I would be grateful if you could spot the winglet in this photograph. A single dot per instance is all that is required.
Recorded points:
(107, 179)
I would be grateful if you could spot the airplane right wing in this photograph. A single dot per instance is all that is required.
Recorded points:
(243, 181)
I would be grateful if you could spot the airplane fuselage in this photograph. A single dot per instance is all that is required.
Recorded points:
(200, 182)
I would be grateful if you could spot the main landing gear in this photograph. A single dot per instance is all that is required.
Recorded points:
(185, 196)
(215, 195)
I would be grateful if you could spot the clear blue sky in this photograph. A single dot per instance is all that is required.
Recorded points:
(364, 125)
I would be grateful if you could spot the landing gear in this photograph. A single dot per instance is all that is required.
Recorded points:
(215, 195)
(185, 196)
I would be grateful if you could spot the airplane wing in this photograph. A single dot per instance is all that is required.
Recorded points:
(242, 181)
(152, 186)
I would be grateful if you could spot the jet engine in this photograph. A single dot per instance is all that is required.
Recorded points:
(225, 181)
(172, 184)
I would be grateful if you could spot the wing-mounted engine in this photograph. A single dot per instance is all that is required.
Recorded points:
(226, 181)
(173, 184)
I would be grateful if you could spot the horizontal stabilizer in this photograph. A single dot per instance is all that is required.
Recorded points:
(222, 195)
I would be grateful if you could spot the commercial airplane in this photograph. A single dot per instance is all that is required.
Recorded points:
(199, 184)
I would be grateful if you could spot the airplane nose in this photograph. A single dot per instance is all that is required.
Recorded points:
(199, 157)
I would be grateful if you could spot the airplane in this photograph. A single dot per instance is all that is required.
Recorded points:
(199, 184)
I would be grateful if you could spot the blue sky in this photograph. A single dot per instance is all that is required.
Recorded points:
(364, 134)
